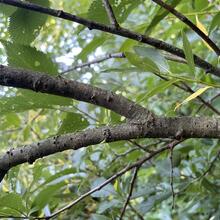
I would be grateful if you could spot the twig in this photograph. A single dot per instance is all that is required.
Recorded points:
(212, 99)
(144, 148)
(174, 58)
(136, 212)
(110, 13)
(109, 180)
(210, 166)
(209, 68)
(185, 20)
(118, 55)
(98, 60)
(203, 174)
(130, 192)
(209, 105)
(115, 176)
(186, 88)
(122, 155)
(171, 176)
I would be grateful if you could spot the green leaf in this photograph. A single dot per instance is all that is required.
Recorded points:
(199, 5)
(46, 195)
(144, 64)
(73, 122)
(121, 10)
(91, 47)
(105, 191)
(7, 10)
(161, 14)
(108, 205)
(154, 55)
(12, 201)
(152, 201)
(25, 25)
(188, 53)
(215, 22)
(158, 89)
(27, 100)
(29, 58)
(193, 96)
(10, 120)
(26, 132)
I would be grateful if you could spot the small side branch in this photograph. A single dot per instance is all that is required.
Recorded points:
(110, 13)
(98, 60)
(130, 192)
(193, 27)
(109, 180)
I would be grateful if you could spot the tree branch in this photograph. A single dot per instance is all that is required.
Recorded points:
(44, 83)
(109, 180)
(110, 13)
(120, 32)
(183, 127)
(98, 60)
(130, 192)
(185, 20)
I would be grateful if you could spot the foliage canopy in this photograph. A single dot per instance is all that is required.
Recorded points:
(164, 83)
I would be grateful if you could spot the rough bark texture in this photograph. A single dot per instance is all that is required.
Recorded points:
(178, 128)
(44, 83)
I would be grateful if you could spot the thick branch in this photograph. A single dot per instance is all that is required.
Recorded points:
(183, 127)
(44, 83)
(117, 31)
(185, 20)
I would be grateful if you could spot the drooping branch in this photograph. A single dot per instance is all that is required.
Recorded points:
(44, 83)
(185, 20)
(117, 31)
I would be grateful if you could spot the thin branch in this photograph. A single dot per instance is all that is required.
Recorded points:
(212, 99)
(174, 58)
(209, 105)
(130, 192)
(136, 212)
(185, 20)
(109, 180)
(167, 56)
(203, 174)
(98, 60)
(187, 88)
(110, 13)
(211, 165)
(109, 29)
(171, 176)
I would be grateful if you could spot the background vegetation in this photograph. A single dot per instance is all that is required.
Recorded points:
(51, 45)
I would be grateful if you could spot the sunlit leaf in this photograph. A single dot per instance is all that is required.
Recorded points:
(144, 64)
(215, 22)
(203, 29)
(72, 122)
(193, 96)
(157, 89)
